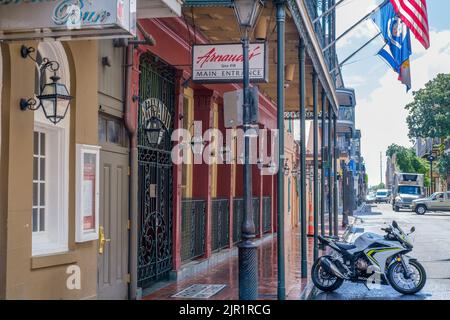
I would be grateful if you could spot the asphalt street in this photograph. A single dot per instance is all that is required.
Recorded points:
(431, 247)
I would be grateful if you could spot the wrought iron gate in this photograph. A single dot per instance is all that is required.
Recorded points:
(155, 127)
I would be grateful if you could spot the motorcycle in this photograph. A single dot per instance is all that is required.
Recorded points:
(371, 259)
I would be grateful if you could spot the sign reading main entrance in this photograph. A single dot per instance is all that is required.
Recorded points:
(218, 63)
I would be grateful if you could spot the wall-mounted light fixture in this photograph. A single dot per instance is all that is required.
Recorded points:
(271, 167)
(286, 168)
(53, 97)
(155, 131)
(295, 172)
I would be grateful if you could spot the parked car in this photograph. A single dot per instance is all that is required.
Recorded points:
(370, 198)
(405, 196)
(439, 201)
(382, 196)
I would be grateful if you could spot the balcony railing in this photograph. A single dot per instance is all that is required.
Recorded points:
(220, 224)
(193, 218)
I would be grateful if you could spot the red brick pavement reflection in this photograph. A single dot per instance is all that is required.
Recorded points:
(227, 273)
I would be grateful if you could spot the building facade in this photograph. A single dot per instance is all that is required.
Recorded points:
(97, 206)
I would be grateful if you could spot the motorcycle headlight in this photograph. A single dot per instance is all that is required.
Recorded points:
(398, 198)
(405, 239)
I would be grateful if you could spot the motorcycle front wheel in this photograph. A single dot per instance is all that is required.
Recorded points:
(404, 284)
(323, 280)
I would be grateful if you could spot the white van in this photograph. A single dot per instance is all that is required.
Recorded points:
(382, 196)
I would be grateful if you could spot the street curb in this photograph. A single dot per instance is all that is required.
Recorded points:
(308, 292)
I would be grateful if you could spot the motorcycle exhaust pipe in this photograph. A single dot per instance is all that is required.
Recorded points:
(330, 267)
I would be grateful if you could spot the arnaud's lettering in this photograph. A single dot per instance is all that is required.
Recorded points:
(155, 109)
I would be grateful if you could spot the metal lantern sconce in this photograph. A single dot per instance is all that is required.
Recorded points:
(154, 131)
(247, 12)
(53, 97)
(295, 172)
(198, 145)
(226, 152)
(286, 169)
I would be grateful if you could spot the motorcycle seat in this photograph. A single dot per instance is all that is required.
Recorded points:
(345, 246)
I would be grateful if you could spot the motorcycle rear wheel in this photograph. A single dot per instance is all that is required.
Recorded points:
(396, 277)
(324, 280)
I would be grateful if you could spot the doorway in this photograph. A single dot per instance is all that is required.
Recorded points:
(113, 276)
(156, 114)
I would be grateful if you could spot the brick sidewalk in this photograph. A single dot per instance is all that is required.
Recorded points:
(227, 273)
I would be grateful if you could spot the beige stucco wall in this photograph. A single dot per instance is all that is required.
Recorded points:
(43, 277)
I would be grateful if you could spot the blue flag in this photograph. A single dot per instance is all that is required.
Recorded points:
(396, 34)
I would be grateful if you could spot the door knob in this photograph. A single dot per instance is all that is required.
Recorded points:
(102, 240)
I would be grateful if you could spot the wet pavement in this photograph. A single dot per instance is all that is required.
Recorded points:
(227, 273)
(431, 247)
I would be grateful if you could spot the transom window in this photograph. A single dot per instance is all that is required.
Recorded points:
(111, 130)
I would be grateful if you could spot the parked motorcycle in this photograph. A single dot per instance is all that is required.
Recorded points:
(372, 258)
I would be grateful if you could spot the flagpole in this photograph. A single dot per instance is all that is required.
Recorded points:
(354, 25)
(355, 52)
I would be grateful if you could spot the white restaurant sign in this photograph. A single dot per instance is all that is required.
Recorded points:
(65, 19)
(217, 63)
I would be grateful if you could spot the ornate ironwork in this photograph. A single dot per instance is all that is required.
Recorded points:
(220, 224)
(193, 227)
(155, 178)
(238, 216)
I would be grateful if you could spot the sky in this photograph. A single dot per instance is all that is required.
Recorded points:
(380, 97)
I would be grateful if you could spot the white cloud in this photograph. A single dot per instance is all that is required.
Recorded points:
(381, 115)
(349, 13)
(355, 81)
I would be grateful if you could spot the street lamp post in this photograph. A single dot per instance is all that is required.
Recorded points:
(431, 158)
(247, 12)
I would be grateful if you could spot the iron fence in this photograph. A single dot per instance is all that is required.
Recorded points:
(193, 229)
(256, 215)
(267, 214)
(220, 224)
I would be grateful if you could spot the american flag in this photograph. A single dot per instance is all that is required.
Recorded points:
(414, 14)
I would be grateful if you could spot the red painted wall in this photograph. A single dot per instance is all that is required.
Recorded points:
(173, 45)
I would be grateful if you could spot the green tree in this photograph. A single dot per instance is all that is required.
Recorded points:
(379, 186)
(407, 161)
(429, 113)
(443, 165)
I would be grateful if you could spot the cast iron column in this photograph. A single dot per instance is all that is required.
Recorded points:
(330, 172)
(335, 189)
(302, 93)
(322, 176)
(281, 18)
(248, 252)
(316, 167)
